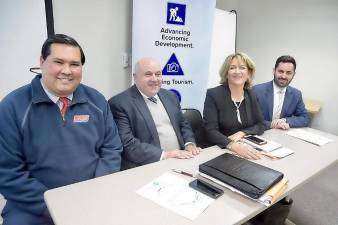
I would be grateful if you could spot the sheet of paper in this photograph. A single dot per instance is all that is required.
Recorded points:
(309, 136)
(174, 193)
(280, 152)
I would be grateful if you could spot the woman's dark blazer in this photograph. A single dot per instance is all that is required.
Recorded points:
(220, 118)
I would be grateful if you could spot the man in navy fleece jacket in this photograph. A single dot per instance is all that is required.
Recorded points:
(53, 132)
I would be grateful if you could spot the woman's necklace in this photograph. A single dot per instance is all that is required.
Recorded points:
(237, 105)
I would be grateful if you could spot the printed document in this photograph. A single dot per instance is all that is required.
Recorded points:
(308, 136)
(174, 193)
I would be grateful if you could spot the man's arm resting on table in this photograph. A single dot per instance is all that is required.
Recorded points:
(111, 149)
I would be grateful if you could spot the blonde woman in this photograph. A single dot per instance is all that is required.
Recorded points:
(231, 110)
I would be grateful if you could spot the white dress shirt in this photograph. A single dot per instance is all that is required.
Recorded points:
(278, 100)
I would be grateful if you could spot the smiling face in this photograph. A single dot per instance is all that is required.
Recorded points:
(62, 69)
(238, 72)
(148, 76)
(283, 74)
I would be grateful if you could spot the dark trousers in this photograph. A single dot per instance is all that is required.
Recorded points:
(275, 215)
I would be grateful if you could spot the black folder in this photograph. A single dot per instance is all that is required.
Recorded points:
(247, 177)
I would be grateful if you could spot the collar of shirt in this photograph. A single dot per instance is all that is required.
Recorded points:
(53, 97)
(277, 89)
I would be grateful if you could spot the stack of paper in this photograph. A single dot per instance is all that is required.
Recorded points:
(309, 136)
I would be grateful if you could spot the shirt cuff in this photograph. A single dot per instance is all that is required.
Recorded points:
(161, 156)
(188, 143)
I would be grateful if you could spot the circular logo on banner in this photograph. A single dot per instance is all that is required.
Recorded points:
(177, 93)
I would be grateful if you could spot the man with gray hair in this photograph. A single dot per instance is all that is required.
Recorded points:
(149, 119)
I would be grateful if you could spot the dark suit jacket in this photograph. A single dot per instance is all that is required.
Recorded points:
(220, 118)
(293, 109)
(141, 143)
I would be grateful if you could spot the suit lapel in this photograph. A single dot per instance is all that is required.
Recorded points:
(269, 98)
(148, 119)
(287, 101)
(248, 106)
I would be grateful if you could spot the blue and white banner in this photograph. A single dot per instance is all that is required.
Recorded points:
(178, 33)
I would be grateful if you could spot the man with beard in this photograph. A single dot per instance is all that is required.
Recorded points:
(281, 104)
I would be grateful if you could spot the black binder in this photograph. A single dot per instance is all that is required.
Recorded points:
(248, 177)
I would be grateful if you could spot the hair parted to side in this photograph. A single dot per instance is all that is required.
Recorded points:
(226, 66)
(60, 39)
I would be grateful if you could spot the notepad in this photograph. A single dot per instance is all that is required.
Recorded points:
(268, 147)
(279, 153)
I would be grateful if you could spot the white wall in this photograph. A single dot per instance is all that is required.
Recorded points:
(22, 31)
(306, 29)
(103, 29)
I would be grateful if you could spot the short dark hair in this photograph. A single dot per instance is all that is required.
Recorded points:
(60, 39)
(286, 59)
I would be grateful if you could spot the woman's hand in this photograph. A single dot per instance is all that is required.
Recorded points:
(245, 151)
(237, 136)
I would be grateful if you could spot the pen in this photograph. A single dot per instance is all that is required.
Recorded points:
(182, 172)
